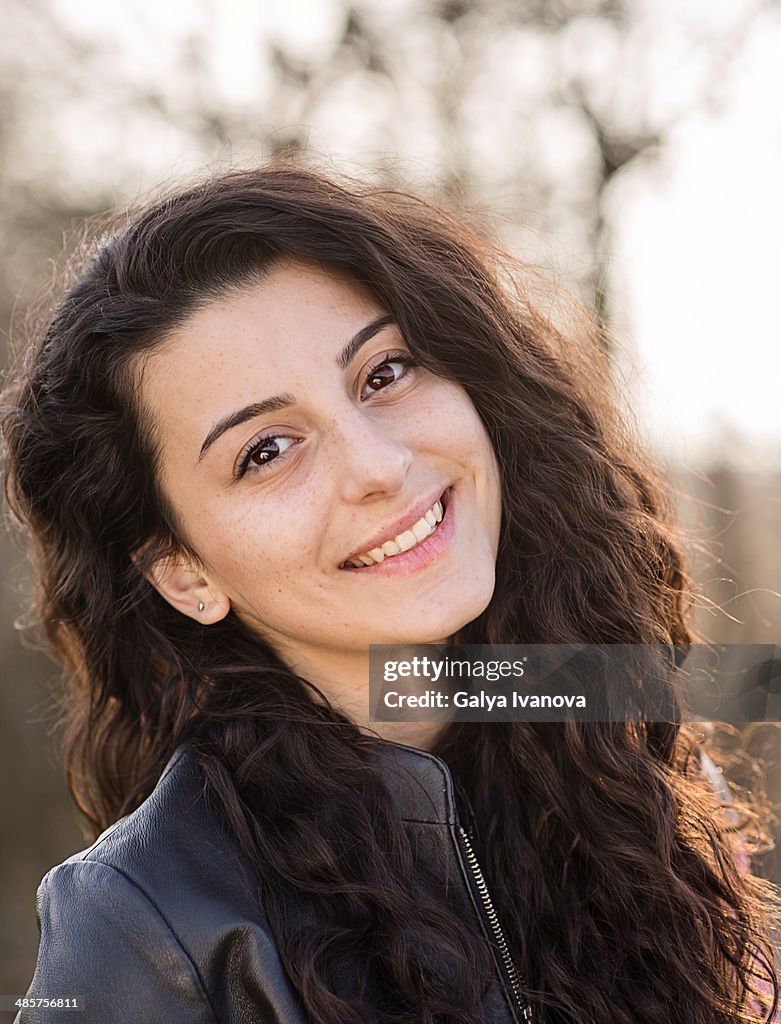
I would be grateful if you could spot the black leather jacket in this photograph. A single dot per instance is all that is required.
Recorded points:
(158, 922)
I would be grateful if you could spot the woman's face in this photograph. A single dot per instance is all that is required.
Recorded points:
(295, 438)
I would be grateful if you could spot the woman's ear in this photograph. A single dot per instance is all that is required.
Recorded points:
(185, 588)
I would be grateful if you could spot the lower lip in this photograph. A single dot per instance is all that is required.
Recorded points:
(425, 553)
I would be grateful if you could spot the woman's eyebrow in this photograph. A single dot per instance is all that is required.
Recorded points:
(365, 334)
(284, 401)
(240, 416)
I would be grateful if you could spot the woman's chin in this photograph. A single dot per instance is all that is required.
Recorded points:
(427, 628)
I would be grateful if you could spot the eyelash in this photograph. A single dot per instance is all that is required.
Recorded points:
(257, 443)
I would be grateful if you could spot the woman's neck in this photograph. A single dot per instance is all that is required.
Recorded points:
(343, 678)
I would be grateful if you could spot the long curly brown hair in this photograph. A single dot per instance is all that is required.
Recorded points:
(610, 866)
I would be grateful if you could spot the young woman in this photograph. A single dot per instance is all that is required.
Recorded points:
(254, 394)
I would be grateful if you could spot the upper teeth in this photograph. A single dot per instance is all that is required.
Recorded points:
(426, 525)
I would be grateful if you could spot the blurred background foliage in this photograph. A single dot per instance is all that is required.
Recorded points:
(549, 118)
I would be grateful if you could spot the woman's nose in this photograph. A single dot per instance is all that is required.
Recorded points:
(371, 457)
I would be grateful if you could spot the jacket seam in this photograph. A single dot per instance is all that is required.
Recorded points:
(131, 881)
(425, 821)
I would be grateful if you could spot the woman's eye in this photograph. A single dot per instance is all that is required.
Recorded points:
(262, 451)
(389, 372)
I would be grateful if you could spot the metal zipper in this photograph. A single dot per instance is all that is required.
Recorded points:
(509, 966)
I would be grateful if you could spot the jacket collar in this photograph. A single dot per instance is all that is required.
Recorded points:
(419, 783)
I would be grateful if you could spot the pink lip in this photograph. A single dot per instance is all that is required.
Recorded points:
(424, 553)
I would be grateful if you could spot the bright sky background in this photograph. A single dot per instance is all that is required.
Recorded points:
(698, 251)
(697, 232)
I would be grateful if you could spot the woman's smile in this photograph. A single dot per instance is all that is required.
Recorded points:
(411, 548)
(337, 493)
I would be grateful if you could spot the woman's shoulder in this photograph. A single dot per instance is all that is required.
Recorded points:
(166, 846)
(139, 922)
(175, 852)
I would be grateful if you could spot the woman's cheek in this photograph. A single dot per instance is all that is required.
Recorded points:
(279, 543)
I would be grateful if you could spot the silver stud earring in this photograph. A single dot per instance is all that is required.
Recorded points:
(201, 606)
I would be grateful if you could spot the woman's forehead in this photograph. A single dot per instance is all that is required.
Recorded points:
(296, 303)
(282, 335)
